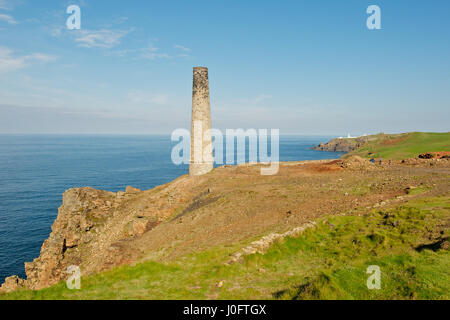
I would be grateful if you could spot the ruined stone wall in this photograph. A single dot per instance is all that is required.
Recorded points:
(201, 160)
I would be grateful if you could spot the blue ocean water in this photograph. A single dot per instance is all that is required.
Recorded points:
(36, 169)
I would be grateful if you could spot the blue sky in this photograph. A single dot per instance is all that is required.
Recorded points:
(304, 67)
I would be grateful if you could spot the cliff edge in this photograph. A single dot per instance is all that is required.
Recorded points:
(87, 233)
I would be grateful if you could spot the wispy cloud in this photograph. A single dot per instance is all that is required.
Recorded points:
(151, 52)
(7, 18)
(40, 57)
(182, 48)
(6, 4)
(10, 62)
(152, 55)
(184, 51)
(103, 38)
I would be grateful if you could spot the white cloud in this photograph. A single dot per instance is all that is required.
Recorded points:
(40, 57)
(100, 38)
(182, 48)
(6, 4)
(152, 53)
(10, 62)
(7, 18)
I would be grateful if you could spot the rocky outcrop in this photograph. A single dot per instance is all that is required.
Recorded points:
(261, 245)
(435, 155)
(12, 283)
(81, 217)
(342, 144)
(338, 144)
(87, 233)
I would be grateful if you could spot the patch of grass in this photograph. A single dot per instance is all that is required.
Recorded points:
(403, 276)
(403, 146)
(418, 190)
(327, 262)
(389, 239)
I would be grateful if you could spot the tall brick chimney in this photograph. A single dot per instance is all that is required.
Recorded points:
(201, 160)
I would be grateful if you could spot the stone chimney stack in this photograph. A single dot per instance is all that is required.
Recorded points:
(201, 160)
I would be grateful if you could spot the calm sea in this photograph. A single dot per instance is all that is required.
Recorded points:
(36, 169)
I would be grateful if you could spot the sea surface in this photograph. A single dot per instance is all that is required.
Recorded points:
(35, 170)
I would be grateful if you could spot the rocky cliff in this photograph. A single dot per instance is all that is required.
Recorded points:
(342, 144)
(87, 233)
(349, 144)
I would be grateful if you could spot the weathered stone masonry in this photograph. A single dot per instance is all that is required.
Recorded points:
(201, 160)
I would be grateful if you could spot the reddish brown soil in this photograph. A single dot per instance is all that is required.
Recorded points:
(243, 204)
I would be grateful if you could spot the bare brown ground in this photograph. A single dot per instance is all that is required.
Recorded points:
(237, 204)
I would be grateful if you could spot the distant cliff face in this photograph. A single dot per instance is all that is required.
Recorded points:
(338, 144)
(344, 144)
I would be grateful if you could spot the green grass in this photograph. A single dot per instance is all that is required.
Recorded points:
(389, 239)
(402, 146)
(327, 262)
(418, 190)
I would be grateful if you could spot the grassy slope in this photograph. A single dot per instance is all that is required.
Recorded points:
(403, 146)
(326, 262)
